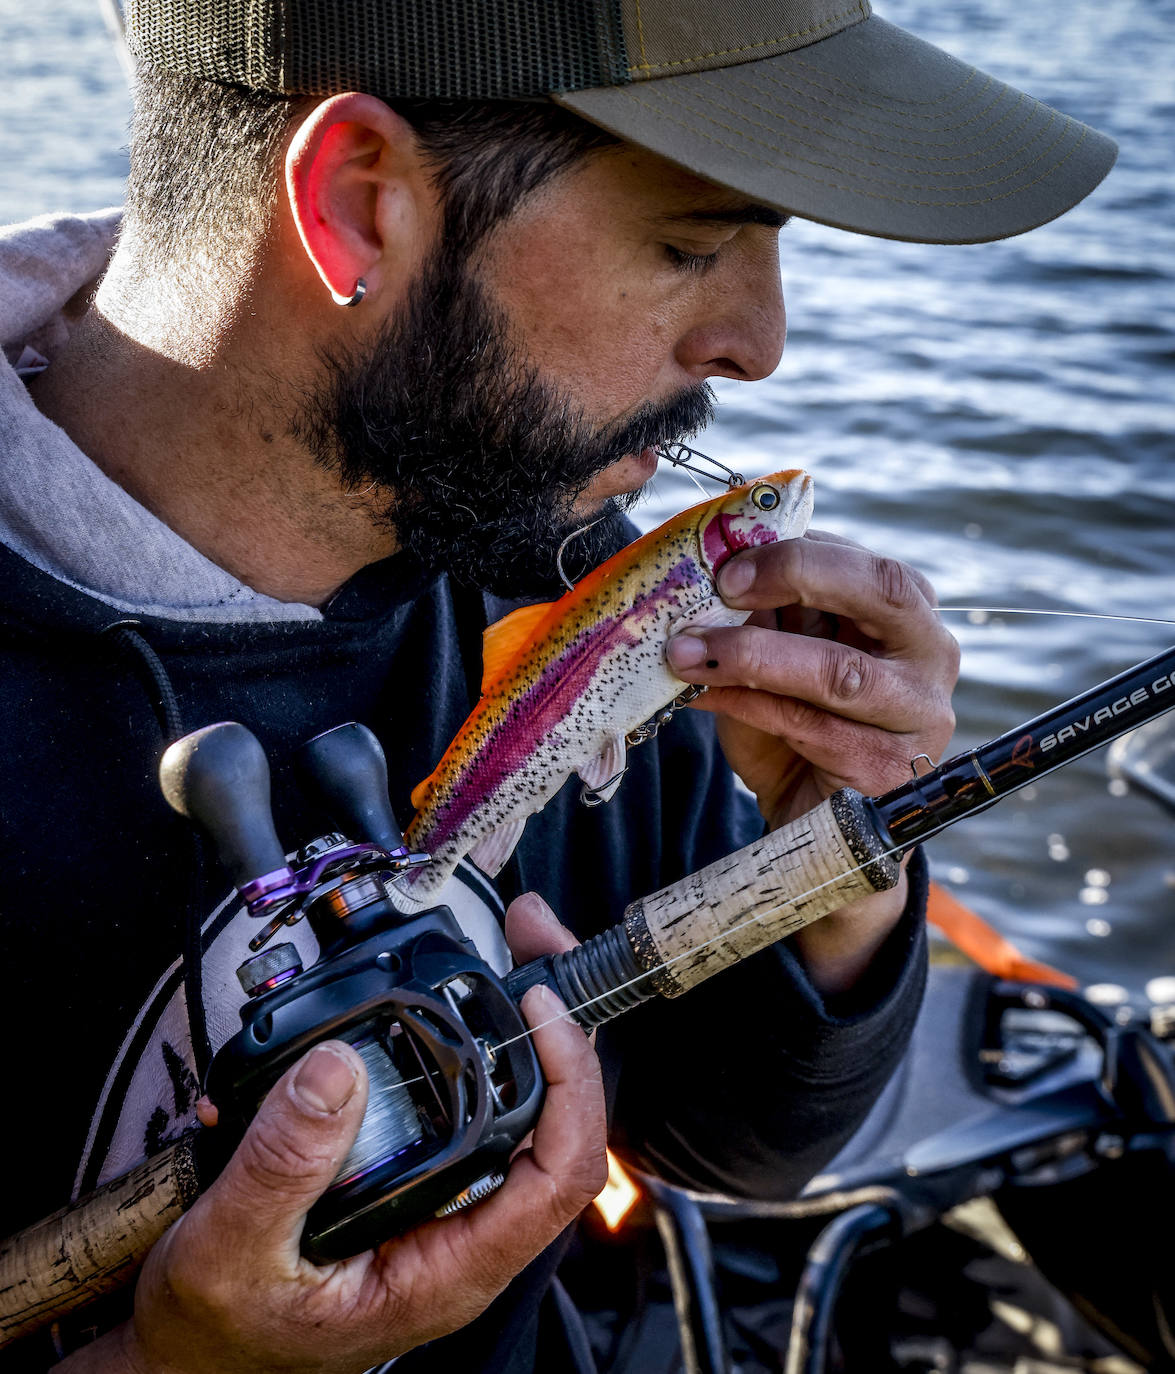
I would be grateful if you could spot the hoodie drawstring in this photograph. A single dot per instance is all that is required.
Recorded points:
(125, 634)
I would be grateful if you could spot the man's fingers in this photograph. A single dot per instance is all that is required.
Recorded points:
(569, 1137)
(291, 1152)
(533, 929)
(869, 758)
(844, 658)
(834, 677)
(551, 1183)
(889, 600)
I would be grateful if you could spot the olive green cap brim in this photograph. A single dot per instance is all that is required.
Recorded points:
(869, 129)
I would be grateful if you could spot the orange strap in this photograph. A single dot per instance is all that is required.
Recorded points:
(985, 946)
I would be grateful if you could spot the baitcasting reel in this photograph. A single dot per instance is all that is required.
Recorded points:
(455, 1084)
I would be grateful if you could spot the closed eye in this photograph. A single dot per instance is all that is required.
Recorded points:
(690, 262)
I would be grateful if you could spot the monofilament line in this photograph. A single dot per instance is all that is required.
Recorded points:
(799, 897)
(1036, 610)
(895, 852)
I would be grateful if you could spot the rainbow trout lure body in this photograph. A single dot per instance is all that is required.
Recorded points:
(565, 683)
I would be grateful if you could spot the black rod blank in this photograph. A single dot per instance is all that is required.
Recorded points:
(972, 781)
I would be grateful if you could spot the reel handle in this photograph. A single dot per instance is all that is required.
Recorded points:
(219, 778)
(349, 770)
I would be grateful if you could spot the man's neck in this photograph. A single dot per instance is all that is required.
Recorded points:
(208, 450)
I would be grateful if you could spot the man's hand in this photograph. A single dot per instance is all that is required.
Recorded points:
(227, 1289)
(841, 677)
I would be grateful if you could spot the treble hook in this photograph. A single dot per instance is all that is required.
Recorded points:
(594, 796)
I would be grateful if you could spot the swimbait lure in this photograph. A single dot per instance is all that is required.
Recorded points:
(566, 682)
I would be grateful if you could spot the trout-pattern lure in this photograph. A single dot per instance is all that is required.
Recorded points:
(566, 682)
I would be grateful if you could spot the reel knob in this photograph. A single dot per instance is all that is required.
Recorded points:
(219, 778)
(348, 767)
(277, 965)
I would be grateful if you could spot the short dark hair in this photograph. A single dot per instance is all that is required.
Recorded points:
(204, 160)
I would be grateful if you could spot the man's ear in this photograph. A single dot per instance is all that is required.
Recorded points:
(353, 177)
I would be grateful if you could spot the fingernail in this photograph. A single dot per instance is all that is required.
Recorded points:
(325, 1081)
(544, 1004)
(685, 651)
(736, 578)
(532, 905)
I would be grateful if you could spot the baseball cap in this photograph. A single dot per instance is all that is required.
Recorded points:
(818, 108)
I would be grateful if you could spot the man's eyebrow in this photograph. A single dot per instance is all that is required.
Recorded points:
(735, 214)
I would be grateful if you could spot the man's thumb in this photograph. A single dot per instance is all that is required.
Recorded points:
(294, 1146)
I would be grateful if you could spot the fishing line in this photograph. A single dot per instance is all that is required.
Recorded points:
(1034, 610)
(689, 473)
(895, 852)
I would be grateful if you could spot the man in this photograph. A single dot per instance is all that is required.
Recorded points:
(403, 295)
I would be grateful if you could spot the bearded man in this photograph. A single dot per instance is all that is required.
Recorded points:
(401, 296)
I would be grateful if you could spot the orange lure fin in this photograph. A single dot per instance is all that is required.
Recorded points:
(985, 946)
(504, 640)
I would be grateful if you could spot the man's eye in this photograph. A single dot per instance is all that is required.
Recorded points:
(690, 262)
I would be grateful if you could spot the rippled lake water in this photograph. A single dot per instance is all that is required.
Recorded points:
(1000, 416)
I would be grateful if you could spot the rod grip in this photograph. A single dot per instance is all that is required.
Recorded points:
(746, 901)
(95, 1245)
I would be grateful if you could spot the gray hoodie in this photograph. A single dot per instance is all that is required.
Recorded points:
(58, 510)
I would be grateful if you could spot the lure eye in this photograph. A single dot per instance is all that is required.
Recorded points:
(766, 498)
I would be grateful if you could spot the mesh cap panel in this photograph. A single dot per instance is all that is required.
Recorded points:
(816, 107)
(446, 49)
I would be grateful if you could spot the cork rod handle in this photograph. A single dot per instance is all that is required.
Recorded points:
(711, 919)
(95, 1245)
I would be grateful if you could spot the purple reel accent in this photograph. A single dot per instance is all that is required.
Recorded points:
(284, 884)
(262, 893)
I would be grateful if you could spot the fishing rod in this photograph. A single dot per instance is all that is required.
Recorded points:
(455, 1080)
(847, 847)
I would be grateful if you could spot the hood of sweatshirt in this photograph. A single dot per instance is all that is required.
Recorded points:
(58, 510)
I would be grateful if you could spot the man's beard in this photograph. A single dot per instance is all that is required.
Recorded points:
(480, 461)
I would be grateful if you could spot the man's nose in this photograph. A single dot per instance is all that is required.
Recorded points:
(742, 332)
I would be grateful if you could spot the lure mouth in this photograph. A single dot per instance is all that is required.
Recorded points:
(733, 545)
(717, 545)
(729, 542)
(760, 512)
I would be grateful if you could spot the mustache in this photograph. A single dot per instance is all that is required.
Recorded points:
(665, 422)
